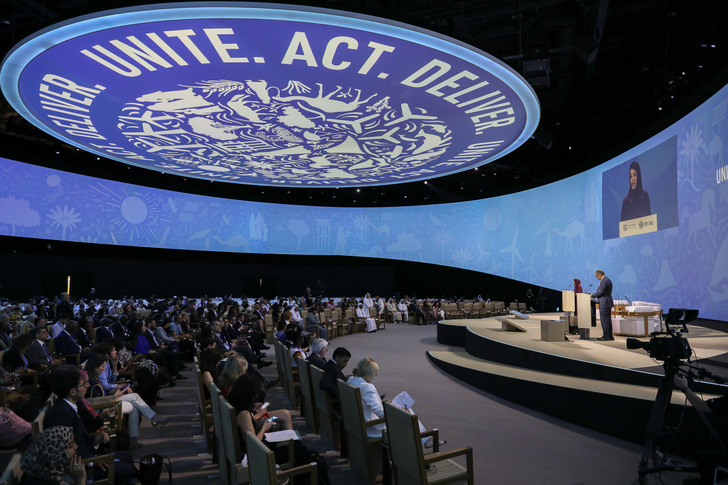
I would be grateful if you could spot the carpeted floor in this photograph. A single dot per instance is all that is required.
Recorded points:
(511, 444)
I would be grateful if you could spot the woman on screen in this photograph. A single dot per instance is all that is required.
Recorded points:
(637, 202)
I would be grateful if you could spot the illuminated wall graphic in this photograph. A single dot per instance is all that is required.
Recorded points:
(545, 236)
(269, 94)
(652, 202)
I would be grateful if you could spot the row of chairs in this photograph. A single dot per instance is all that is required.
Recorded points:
(398, 454)
(336, 323)
(478, 309)
(221, 428)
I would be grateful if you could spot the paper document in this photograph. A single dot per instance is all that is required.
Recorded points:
(403, 400)
(285, 435)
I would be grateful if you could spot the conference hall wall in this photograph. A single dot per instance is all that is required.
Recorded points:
(545, 236)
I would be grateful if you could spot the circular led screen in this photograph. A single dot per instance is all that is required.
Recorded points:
(269, 94)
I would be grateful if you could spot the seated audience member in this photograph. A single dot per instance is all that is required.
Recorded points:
(165, 356)
(333, 371)
(103, 331)
(14, 430)
(83, 334)
(363, 313)
(313, 325)
(51, 459)
(318, 352)
(247, 396)
(70, 388)
(281, 329)
(14, 359)
(209, 366)
(66, 343)
(234, 367)
(393, 312)
(372, 407)
(58, 327)
(94, 421)
(402, 307)
(131, 402)
(120, 328)
(39, 358)
(365, 371)
(295, 351)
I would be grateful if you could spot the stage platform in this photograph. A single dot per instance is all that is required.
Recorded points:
(599, 385)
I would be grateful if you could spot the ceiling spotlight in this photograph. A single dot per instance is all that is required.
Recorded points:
(659, 108)
(569, 148)
(98, 158)
(358, 190)
(58, 153)
(476, 169)
(405, 196)
(426, 180)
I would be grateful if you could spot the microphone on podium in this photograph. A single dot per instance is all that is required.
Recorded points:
(628, 300)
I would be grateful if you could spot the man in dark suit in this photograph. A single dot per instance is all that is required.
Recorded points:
(120, 327)
(318, 350)
(333, 370)
(103, 331)
(39, 358)
(70, 389)
(83, 335)
(604, 296)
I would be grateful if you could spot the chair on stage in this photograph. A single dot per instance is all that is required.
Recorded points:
(409, 463)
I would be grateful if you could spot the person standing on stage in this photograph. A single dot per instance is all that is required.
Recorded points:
(604, 296)
(577, 286)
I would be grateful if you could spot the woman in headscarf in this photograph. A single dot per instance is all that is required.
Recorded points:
(577, 286)
(51, 459)
(637, 201)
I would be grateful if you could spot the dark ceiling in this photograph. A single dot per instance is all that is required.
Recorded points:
(608, 75)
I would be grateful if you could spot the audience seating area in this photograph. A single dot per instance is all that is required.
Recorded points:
(338, 425)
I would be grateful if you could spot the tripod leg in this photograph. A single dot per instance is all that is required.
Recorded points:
(657, 419)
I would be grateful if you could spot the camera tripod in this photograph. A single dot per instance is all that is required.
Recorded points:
(651, 454)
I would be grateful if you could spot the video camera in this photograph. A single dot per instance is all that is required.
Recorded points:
(673, 347)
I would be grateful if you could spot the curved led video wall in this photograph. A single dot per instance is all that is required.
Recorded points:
(674, 252)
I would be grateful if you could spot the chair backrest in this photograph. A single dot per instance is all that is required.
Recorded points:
(281, 353)
(405, 445)
(309, 408)
(290, 380)
(36, 427)
(215, 396)
(361, 447)
(202, 403)
(231, 437)
(261, 461)
(329, 430)
(13, 474)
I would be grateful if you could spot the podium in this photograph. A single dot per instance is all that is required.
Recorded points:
(586, 317)
(567, 301)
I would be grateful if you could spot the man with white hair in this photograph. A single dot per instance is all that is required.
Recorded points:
(318, 350)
